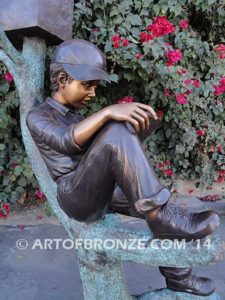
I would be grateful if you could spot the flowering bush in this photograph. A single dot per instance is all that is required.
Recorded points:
(16, 176)
(171, 55)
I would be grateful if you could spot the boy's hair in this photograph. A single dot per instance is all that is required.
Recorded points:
(55, 69)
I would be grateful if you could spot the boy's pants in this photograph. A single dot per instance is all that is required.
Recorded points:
(114, 157)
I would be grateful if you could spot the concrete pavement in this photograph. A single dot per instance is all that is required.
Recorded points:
(33, 274)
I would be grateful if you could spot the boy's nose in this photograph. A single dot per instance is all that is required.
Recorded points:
(92, 92)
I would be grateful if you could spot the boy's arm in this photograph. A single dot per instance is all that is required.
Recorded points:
(45, 130)
(137, 114)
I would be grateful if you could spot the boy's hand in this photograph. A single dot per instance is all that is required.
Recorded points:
(137, 114)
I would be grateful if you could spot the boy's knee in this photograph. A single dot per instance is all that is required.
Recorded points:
(120, 128)
(114, 135)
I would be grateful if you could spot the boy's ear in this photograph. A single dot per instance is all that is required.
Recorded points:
(61, 79)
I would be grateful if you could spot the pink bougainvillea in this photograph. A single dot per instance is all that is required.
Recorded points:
(184, 24)
(138, 55)
(181, 99)
(220, 49)
(126, 100)
(200, 132)
(126, 43)
(161, 26)
(173, 56)
(8, 76)
(40, 195)
(4, 210)
(168, 172)
(167, 92)
(146, 37)
(116, 40)
(220, 89)
(196, 83)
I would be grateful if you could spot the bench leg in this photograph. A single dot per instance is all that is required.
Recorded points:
(103, 280)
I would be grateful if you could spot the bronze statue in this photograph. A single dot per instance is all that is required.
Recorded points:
(98, 163)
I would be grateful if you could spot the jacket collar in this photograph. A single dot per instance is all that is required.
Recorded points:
(58, 106)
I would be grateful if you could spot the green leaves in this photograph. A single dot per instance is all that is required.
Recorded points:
(134, 19)
(16, 176)
(4, 87)
(2, 147)
(113, 77)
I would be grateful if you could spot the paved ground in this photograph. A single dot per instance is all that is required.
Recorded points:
(53, 274)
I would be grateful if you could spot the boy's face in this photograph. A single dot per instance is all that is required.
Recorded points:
(77, 93)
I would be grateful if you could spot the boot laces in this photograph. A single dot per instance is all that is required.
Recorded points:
(172, 211)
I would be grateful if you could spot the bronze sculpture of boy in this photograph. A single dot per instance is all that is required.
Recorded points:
(94, 160)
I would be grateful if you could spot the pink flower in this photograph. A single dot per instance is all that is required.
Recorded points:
(167, 92)
(200, 132)
(219, 89)
(219, 148)
(173, 56)
(138, 55)
(116, 40)
(126, 100)
(221, 50)
(116, 45)
(161, 26)
(222, 81)
(221, 47)
(196, 83)
(4, 210)
(181, 99)
(39, 194)
(8, 76)
(181, 71)
(126, 43)
(167, 163)
(184, 24)
(190, 191)
(220, 179)
(221, 172)
(160, 166)
(146, 37)
(188, 92)
(187, 81)
(1, 174)
(160, 114)
(168, 172)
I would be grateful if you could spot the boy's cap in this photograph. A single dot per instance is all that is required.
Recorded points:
(81, 60)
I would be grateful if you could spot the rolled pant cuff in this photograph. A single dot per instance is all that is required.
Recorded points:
(175, 273)
(144, 205)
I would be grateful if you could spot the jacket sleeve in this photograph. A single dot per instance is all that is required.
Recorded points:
(45, 130)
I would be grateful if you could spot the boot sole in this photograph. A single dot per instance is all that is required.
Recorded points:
(190, 291)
